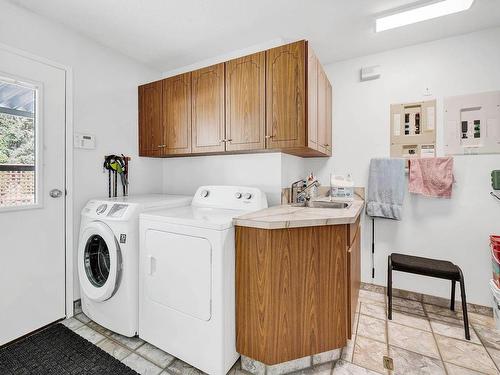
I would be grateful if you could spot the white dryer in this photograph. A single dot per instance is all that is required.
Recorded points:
(108, 258)
(187, 276)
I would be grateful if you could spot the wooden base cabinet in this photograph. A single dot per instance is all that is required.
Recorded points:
(354, 272)
(275, 100)
(292, 291)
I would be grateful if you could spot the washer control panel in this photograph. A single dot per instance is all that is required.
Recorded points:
(101, 209)
(117, 210)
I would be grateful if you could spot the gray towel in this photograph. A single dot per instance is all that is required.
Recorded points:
(386, 188)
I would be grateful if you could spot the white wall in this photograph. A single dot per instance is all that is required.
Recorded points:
(185, 175)
(455, 229)
(104, 101)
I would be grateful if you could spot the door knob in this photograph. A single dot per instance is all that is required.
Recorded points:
(55, 193)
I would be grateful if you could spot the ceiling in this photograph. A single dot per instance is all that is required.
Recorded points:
(169, 34)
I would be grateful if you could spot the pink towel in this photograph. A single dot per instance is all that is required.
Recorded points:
(432, 177)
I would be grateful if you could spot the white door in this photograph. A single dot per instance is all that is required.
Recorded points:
(32, 185)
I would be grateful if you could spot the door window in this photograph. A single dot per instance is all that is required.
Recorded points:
(18, 177)
(96, 258)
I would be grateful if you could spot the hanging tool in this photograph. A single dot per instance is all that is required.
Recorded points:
(116, 165)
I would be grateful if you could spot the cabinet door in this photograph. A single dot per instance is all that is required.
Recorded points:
(285, 96)
(246, 103)
(177, 114)
(150, 122)
(312, 99)
(354, 276)
(322, 109)
(329, 103)
(208, 109)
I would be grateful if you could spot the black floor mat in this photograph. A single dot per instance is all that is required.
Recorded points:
(58, 350)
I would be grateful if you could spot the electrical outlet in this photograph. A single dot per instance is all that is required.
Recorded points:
(388, 363)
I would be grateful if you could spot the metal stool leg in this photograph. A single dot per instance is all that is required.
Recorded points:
(452, 303)
(389, 287)
(464, 305)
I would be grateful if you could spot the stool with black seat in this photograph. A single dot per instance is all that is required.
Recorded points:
(441, 269)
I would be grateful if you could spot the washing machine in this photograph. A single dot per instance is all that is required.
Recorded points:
(187, 276)
(108, 258)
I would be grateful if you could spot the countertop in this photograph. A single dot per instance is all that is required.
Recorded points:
(287, 216)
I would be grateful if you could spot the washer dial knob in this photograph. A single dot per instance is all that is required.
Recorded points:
(247, 196)
(101, 209)
(238, 195)
(204, 193)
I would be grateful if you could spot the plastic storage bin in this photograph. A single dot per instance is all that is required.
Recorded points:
(495, 292)
(495, 258)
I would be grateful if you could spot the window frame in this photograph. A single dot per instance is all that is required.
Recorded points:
(38, 201)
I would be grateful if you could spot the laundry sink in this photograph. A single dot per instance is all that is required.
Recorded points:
(323, 204)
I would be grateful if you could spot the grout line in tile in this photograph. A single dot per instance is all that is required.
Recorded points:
(422, 301)
(106, 336)
(467, 368)
(386, 320)
(485, 347)
(435, 340)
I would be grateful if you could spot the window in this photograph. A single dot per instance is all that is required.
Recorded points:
(18, 155)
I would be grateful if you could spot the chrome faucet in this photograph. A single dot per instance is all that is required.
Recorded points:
(303, 195)
(295, 189)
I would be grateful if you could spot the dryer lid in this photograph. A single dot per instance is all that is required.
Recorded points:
(200, 217)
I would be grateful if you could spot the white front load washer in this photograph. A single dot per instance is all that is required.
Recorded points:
(108, 258)
(187, 276)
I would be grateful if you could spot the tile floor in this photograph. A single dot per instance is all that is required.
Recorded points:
(423, 338)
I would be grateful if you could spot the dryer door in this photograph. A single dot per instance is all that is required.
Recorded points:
(99, 261)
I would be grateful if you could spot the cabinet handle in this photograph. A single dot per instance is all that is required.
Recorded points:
(326, 145)
(269, 136)
(162, 146)
(228, 140)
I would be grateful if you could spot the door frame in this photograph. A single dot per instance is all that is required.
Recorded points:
(68, 170)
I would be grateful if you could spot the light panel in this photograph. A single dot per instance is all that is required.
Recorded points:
(423, 13)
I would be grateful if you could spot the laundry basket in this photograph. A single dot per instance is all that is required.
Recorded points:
(495, 258)
(495, 292)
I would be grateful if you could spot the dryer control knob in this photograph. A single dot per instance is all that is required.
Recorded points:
(248, 196)
(204, 193)
(238, 195)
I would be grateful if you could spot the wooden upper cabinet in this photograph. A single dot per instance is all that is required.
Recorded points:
(150, 123)
(322, 108)
(246, 103)
(177, 114)
(279, 99)
(207, 109)
(286, 96)
(312, 99)
(329, 125)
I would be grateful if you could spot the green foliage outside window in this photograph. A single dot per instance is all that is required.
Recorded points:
(17, 141)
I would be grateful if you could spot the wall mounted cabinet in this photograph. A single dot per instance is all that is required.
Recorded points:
(286, 97)
(150, 119)
(275, 100)
(207, 108)
(246, 103)
(177, 114)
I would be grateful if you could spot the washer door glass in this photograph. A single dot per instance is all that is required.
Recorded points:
(97, 260)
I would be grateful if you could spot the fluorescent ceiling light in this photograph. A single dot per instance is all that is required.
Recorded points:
(423, 13)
